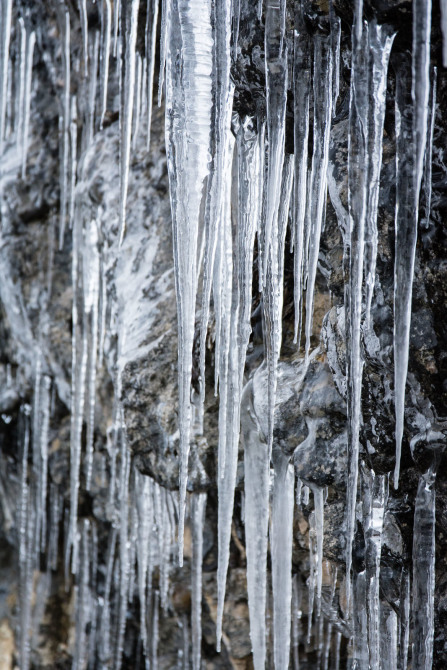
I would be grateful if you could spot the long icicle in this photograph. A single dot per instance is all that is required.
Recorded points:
(129, 23)
(188, 126)
(407, 210)
(198, 505)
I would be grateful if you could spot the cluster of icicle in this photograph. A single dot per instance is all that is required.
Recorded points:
(230, 182)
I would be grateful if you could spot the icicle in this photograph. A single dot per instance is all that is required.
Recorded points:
(30, 42)
(145, 524)
(410, 146)
(273, 291)
(443, 4)
(65, 129)
(43, 439)
(56, 509)
(322, 83)
(296, 620)
(221, 167)
(319, 531)
(335, 46)
(360, 623)
(281, 541)
(312, 570)
(375, 497)
(151, 45)
(83, 603)
(91, 278)
(82, 4)
(257, 476)
(380, 42)
(106, 22)
(124, 550)
(73, 161)
(25, 553)
(429, 152)
(137, 101)
(198, 504)
(424, 571)
(301, 142)
(404, 616)
(357, 199)
(276, 99)
(188, 125)
(20, 95)
(93, 80)
(6, 11)
(129, 20)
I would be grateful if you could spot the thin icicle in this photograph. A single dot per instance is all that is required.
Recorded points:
(29, 52)
(357, 199)
(281, 541)
(5, 37)
(188, 125)
(257, 476)
(404, 615)
(65, 124)
(198, 504)
(82, 4)
(276, 99)
(319, 531)
(374, 504)
(129, 25)
(301, 143)
(151, 45)
(429, 152)
(93, 80)
(322, 83)
(91, 279)
(106, 26)
(43, 439)
(424, 571)
(73, 161)
(24, 549)
(312, 575)
(124, 550)
(137, 101)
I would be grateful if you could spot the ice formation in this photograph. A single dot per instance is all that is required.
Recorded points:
(235, 191)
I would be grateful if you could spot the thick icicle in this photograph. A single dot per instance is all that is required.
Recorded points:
(424, 571)
(380, 42)
(257, 476)
(301, 142)
(281, 541)
(411, 137)
(273, 291)
(276, 99)
(374, 503)
(357, 199)
(198, 504)
(129, 25)
(322, 83)
(188, 125)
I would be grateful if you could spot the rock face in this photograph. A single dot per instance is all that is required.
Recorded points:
(88, 369)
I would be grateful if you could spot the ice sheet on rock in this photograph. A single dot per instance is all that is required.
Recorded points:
(302, 71)
(188, 125)
(257, 476)
(129, 25)
(276, 98)
(281, 541)
(315, 203)
(198, 505)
